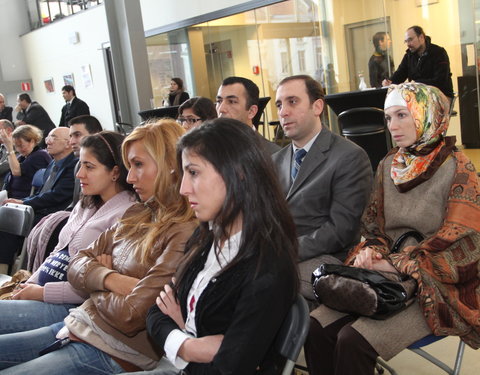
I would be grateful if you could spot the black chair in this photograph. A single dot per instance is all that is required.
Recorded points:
(262, 103)
(293, 333)
(366, 127)
(171, 112)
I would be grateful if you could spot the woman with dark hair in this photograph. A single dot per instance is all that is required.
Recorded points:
(193, 112)
(177, 96)
(25, 139)
(427, 185)
(122, 272)
(47, 296)
(238, 279)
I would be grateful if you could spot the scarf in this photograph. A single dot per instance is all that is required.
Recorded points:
(429, 108)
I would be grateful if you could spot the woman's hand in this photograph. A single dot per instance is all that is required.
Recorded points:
(168, 304)
(32, 292)
(7, 139)
(366, 257)
(370, 259)
(200, 350)
(105, 260)
(13, 200)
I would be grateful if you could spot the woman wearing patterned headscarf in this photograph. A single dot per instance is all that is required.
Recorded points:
(424, 184)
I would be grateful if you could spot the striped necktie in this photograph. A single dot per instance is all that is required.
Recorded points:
(297, 162)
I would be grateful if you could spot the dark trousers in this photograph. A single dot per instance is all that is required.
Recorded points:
(10, 246)
(338, 349)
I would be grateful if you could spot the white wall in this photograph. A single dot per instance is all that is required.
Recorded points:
(49, 54)
(156, 13)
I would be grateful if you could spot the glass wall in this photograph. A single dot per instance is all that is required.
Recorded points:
(341, 43)
(43, 12)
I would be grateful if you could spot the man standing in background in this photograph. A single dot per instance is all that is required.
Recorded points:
(73, 107)
(423, 62)
(32, 113)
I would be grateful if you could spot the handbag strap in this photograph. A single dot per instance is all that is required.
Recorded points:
(400, 240)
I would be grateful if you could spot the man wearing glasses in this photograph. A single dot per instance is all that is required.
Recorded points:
(423, 62)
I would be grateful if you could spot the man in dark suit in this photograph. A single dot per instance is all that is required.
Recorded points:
(73, 107)
(5, 111)
(326, 178)
(237, 98)
(33, 113)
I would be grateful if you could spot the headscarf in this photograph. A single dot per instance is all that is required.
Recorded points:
(430, 111)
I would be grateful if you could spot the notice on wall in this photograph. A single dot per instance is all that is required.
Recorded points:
(86, 76)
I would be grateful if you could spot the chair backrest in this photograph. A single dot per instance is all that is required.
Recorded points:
(366, 127)
(292, 334)
(37, 181)
(16, 219)
(262, 103)
(361, 120)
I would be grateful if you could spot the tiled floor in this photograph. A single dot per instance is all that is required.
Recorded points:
(474, 155)
(409, 363)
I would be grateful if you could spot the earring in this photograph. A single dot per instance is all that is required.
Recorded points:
(114, 179)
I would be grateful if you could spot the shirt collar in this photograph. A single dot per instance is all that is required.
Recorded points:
(307, 146)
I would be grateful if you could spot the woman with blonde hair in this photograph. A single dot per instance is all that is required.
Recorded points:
(25, 139)
(123, 271)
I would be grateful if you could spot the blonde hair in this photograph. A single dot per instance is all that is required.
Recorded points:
(159, 139)
(28, 133)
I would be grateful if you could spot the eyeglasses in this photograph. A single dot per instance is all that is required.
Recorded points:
(409, 40)
(188, 120)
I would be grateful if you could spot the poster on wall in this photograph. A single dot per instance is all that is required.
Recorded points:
(49, 85)
(68, 80)
(86, 76)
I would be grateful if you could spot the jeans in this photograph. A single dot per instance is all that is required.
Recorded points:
(19, 355)
(25, 315)
(163, 368)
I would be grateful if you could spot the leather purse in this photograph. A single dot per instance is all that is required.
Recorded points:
(359, 291)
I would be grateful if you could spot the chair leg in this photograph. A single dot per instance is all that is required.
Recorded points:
(384, 365)
(458, 360)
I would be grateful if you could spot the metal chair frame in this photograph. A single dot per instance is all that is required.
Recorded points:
(293, 333)
(416, 348)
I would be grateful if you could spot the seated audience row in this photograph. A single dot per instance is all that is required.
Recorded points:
(105, 197)
(240, 263)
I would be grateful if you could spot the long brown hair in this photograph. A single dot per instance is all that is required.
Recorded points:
(167, 207)
(252, 192)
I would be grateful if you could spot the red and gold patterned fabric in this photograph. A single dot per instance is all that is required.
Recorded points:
(445, 265)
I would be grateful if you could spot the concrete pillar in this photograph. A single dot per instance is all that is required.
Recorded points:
(129, 56)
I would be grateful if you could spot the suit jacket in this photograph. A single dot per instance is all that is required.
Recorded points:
(328, 196)
(77, 108)
(6, 113)
(60, 195)
(269, 146)
(36, 115)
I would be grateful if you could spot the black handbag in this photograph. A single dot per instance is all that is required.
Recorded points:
(359, 291)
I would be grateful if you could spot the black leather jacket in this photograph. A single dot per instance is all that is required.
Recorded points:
(432, 67)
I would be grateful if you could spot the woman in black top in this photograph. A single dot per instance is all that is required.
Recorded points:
(238, 278)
